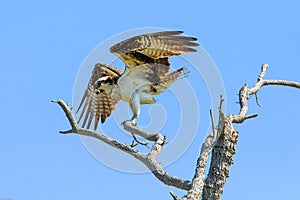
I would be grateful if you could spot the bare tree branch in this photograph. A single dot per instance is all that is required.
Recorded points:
(80, 131)
(141, 132)
(212, 119)
(68, 113)
(282, 83)
(174, 195)
(138, 141)
(150, 160)
(245, 92)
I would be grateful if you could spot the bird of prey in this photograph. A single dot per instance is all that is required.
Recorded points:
(147, 73)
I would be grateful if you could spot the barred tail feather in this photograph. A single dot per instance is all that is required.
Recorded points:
(178, 74)
(171, 78)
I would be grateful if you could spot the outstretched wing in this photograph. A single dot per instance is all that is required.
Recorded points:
(96, 104)
(154, 49)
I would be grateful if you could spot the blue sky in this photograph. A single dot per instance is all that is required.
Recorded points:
(43, 45)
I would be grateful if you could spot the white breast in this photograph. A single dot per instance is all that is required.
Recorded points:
(133, 80)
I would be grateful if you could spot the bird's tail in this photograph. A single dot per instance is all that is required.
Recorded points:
(166, 81)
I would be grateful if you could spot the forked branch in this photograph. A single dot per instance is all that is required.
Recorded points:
(150, 159)
(246, 92)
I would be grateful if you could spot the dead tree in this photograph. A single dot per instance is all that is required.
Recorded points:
(221, 142)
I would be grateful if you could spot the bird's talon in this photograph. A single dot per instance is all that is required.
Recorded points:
(132, 122)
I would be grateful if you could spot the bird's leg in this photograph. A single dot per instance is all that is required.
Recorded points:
(135, 106)
(134, 103)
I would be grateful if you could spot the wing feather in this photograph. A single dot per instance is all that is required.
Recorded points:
(154, 49)
(157, 45)
(93, 104)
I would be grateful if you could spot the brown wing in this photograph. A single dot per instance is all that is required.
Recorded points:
(97, 104)
(154, 49)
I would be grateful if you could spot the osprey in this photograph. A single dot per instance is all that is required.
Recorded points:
(147, 73)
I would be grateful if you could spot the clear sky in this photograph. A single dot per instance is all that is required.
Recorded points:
(44, 43)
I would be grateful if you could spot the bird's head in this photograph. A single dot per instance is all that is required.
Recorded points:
(103, 84)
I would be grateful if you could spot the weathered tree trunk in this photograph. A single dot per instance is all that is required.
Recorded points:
(222, 158)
